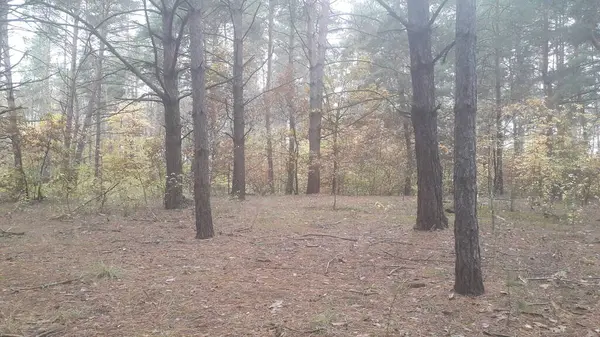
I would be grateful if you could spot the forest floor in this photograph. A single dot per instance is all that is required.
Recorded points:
(291, 266)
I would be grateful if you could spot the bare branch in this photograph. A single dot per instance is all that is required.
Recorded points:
(393, 14)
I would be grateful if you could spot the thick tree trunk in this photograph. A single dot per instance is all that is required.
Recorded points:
(291, 163)
(430, 211)
(317, 49)
(238, 186)
(14, 131)
(202, 186)
(468, 275)
(174, 183)
(270, 169)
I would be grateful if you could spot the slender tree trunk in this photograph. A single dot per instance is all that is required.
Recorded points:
(468, 275)
(291, 163)
(93, 103)
(430, 211)
(238, 187)
(270, 169)
(202, 186)
(14, 131)
(408, 188)
(317, 49)
(174, 184)
(336, 152)
(71, 97)
(499, 143)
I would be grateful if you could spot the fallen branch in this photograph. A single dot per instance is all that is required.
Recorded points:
(330, 236)
(364, 293)
(102, 195)
(338, 259)
(47, 285)
(8, 233)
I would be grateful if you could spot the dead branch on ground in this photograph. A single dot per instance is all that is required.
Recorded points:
(47, 285)
(329, 236)
(7, 233)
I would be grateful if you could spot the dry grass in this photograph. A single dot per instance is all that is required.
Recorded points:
(262, 275)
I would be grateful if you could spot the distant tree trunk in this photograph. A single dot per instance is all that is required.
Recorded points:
(238, 187)
(408, 188)
(547, 82)
(468, 275)
(98, 136)
(430, 211)
(71, 97)
(93, 103)
(14, 131)
(174, 184)
(317, 49)
(499, 146)
(270, 169)
(292, 162)
(336, 152)
(202, 185)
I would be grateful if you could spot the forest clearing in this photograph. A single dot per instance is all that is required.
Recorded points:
(292, 266)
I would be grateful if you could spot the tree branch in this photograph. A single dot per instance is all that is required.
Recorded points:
(393, 14)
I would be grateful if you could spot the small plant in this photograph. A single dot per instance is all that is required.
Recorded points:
(103, 271)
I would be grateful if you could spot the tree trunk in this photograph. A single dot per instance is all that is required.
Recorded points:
(93, 103)
(174, 184)
(270, 170)
(291, 163)
(408, 188)
(238, 187)
(14, 131)
(202, 186)
(499, 146)
(71, 96)
(317, 49)
(468, 276)
(430, 211)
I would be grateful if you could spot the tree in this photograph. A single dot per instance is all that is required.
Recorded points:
(202, 185)
(11, 108)
(468, 276)
(430, 211)
(317, 46)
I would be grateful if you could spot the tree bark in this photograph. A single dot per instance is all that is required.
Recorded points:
(468, 275)
(202, 185)
(238, 186)
(317, 49)
(170, 99)
(430, 211)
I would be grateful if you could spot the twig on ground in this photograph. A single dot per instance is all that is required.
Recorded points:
(50, 332)
(330, 236)
(338, 259)
(47, 285)
(393, 271)
(364, 293)
(495, 334)
(8, 233)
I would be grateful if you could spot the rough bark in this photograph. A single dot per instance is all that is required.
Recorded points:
(202, 185)
(317, 45)
(170, 99)
(238, 186)
(430, 211)
(468, 275)
(269, 147)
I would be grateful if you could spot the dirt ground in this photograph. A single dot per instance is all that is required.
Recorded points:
(291, 266)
